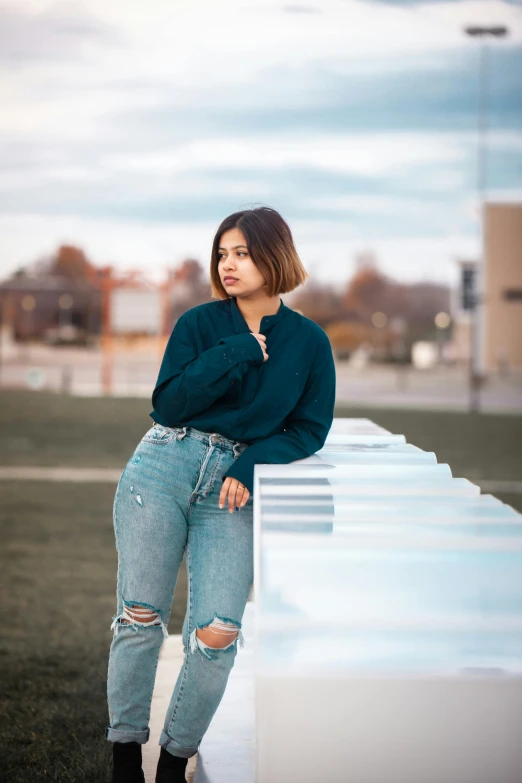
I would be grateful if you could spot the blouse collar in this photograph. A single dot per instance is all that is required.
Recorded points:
(267, 321)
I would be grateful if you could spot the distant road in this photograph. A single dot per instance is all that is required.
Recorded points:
(134, 375)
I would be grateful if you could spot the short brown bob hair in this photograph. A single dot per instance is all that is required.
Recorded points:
(271, 248)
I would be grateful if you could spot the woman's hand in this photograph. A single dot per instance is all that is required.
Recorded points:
(237, 494)
(261, 339)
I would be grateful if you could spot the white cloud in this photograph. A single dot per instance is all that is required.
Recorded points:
(62, 30)
(433, 160)
(208, 45)
(204, 52)
(368, 154)
(235, 55)
(362, 204)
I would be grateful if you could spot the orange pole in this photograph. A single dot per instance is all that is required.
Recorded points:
(107, 343)
(165, 300)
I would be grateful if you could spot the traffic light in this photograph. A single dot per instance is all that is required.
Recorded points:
(468, 288)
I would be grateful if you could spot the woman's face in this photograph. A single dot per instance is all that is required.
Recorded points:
(235, 262)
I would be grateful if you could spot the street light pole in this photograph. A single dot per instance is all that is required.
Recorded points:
(476, 363)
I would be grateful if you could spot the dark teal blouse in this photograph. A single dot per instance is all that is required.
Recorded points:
(213, 377)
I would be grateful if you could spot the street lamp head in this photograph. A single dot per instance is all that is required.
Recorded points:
(477, 31)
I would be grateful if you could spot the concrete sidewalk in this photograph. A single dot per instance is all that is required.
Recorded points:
(227, 751)
(169, 664)
(37, 473)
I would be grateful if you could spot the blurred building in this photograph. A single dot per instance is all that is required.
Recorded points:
(135, 313)
(501, 328)
(33, 308)
(503, 287)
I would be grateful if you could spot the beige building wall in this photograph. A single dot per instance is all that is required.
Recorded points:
(503, 287)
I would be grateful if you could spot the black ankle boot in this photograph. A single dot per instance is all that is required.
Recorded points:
(126, 763)
(171, 769)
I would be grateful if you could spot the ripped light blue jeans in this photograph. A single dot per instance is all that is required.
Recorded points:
(166, 501)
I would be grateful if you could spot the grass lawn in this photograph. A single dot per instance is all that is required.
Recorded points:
(50, 429)
(58, 598)
(58, 563)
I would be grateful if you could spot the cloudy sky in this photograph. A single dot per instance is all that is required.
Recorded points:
(132, 129)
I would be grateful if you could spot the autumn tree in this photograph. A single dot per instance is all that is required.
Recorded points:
(71, 262)
(371, 291)
(189, 286)
(318, 301)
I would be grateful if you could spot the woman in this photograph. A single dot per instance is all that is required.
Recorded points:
(244, 380)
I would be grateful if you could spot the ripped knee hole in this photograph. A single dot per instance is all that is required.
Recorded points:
(137, 616)
(217, 634)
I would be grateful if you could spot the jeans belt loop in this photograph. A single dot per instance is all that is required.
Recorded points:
(181, 435)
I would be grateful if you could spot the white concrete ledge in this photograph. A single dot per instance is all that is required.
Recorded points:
(169, 664)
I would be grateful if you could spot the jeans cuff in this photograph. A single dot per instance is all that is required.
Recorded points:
(173, 747)
(127, 735)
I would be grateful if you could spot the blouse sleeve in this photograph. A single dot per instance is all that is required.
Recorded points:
(188, 383)
(306, 427)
